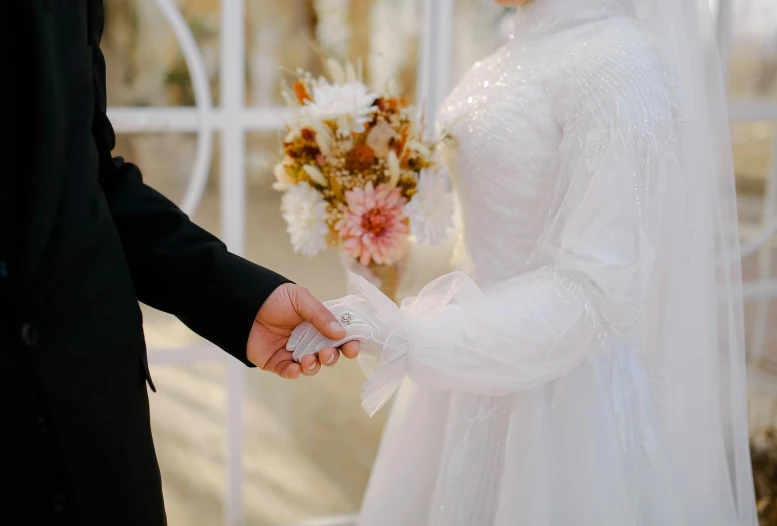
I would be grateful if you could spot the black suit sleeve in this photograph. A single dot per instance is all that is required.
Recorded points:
(176, 266)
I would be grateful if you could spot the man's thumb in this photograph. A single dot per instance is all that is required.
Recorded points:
(314, 311)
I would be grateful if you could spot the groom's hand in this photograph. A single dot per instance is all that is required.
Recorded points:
(288, 306)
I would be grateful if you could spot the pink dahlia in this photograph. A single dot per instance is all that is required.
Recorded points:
(374, 227)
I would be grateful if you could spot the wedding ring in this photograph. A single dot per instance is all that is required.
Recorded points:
(346, 318)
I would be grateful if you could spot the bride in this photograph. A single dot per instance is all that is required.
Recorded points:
(587, 367)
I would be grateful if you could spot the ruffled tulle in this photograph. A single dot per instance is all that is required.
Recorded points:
(389, 361)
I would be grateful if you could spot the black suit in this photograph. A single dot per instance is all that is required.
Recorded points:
(84, 240)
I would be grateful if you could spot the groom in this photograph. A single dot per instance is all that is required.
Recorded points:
(82, 239)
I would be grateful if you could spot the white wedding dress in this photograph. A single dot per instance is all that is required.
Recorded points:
(586, 367)
(571, 429)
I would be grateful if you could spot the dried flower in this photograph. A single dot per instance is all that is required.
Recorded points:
(420, 148)
(282, 179)
(380, 137)
(353, 74)
(393, 169)
(357, 171)
(359, 159)
(400, 140)
(316, 175)
(301, 92)
(335, 71)
(305, 212)
(374, 227)
(391, 104)
(324, 137)
(350, 104)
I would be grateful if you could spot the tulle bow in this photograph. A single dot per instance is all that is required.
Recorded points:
(390, 360)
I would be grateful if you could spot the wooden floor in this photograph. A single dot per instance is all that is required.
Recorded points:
(309, 446)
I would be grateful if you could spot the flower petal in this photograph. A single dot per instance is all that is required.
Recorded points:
(316, 175)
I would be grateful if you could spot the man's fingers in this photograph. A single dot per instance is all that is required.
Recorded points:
(277, 360)
(329, 356)
(314, 311)
(289, 370)
(309, 365)
(351, 349)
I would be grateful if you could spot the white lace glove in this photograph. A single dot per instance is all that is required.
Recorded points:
(361, 324)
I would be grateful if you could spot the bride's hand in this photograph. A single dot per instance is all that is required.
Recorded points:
(363, 332)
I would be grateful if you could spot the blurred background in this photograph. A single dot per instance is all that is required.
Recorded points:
(193, 87)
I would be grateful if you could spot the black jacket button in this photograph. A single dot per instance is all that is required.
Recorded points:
(29, 335)
(58, 503)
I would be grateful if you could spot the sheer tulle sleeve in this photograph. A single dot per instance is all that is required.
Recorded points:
(591, 276)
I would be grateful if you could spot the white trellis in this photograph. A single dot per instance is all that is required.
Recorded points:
(232, 119)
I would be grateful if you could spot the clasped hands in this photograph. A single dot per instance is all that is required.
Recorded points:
(286, 308)
(294, 334)
(360, 321)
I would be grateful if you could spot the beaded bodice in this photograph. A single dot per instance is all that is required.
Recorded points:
(547, 89)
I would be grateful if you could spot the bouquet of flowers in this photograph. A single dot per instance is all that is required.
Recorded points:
(357, 173)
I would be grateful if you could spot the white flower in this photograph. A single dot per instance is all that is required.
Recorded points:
(316, 175)
(335, 71)
(422, 150)
(431, 208)
(291, 102)
(380, 137)
(393, 169)
(305, 212)
(348, 103)
(353, 74)
(282, 179)
(324, 138)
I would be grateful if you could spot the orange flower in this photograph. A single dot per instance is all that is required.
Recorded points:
(301, 92)
(398, 144)
(391, 104)
(300, 149)
(359, 159)
(303, 146)
(337, 187)
(404, 163)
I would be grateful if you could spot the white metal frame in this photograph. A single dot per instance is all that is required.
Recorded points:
(233, 120)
